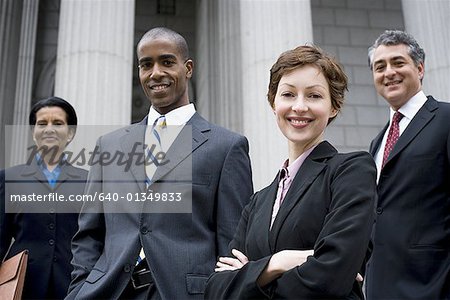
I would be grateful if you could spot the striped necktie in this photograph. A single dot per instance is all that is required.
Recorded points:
(154, 149)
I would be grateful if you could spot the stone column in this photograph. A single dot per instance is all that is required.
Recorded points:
(428, 21)
(24, 81)
(218, 68)
(238, 41)
(95, 59)
(10, 12)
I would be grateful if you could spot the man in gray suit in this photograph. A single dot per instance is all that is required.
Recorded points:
(180, 246)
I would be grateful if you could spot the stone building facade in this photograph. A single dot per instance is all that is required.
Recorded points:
(84, 51)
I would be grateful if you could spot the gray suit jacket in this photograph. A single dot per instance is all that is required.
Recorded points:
(181, 248)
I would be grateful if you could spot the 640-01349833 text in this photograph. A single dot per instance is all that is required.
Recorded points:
(149, 196)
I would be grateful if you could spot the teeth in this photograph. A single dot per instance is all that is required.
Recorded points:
(299, 121)
(393, 82)
(159, 87)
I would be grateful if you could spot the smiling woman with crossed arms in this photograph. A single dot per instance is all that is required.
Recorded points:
(306, 234)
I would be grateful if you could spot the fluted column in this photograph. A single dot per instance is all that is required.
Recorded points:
(238, 41)
(10, 12)
(219, 69)
(428, 21)
(24, 81)
(95, 59)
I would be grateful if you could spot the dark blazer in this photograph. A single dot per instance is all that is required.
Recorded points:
(46, 235)
(181, 248)
(328, 208)
(411, 237)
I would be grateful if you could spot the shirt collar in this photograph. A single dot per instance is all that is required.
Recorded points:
(176, 117)
(292, 169)
(412, 106)
(41, 163)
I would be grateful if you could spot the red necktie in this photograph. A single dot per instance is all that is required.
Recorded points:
(394, 133)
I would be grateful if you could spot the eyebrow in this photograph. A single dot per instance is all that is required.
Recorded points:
(316, 86)
(161, 57)
(398, 57)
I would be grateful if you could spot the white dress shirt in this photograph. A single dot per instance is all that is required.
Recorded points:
(408, 110)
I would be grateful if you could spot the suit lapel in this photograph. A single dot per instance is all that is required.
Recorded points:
(133, 141)
(68, 172)
(314, 164)
(192, 133)
(420, 120)
(376, 142)
(34, 171)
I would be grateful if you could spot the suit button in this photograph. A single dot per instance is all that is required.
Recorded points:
(379, 210)
(51, 242)
(144, 230)
(51, 226)
(54, 258)
(127, 268)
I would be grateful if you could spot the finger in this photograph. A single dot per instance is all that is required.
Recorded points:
(239, 255)
(223, 269)
(230, 261)
(226, 266)
(359, 278)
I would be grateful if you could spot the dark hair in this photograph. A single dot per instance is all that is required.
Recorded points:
(397, 37)
(310, 55)
(54, 101)
(163, 32)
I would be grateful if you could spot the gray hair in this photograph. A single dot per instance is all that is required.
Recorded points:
(397, 37)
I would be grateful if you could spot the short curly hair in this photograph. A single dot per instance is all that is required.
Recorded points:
(310, 55)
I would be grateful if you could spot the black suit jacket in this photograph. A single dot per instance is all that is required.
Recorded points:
(181, 248)
(411, 236)
(46, 235)
(328, 208)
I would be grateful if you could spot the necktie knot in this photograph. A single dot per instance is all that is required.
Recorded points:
(160, 122)
(397, 117)
(283, 174)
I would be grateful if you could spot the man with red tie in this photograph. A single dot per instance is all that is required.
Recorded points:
(410, 258)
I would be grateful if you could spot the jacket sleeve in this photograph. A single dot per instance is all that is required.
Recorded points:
(238, 284)
(234, 190)
(341, 246)
(88, 242)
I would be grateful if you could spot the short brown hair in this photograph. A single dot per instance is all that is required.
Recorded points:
(310, 55)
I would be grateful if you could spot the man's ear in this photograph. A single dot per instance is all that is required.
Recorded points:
(421, 68)
(189, 65)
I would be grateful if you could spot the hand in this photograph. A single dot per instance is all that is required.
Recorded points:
(231, 263)
(281, 262)
(359, 278)
(288, 259)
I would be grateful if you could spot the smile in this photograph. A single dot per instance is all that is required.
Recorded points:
(393, 82)
(159, 87)
(299, 122)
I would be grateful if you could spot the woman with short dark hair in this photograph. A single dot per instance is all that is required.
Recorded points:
(44, 228)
